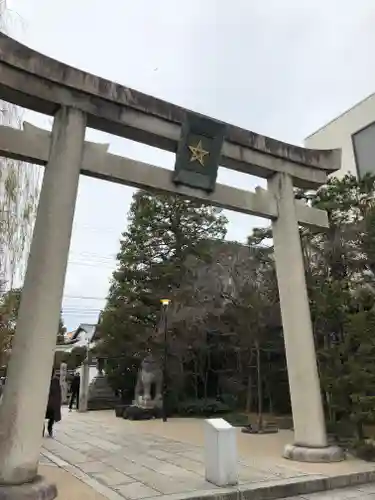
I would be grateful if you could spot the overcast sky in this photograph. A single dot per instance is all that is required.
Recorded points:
(282, 68)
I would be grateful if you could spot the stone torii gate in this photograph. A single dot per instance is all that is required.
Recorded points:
(78, 100)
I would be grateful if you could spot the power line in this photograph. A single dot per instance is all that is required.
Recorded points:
(78, 311)
(83, 297)
(80, 315)
(97, 229)
(96, 255)
(92, 264)
(81, 306)
(82, 309)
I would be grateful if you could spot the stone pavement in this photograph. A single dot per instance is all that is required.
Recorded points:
(365, 492)
(69, 487)
(155, 460)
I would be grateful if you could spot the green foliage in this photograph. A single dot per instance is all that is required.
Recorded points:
(365, 450)
(347, 369)
(61, 332)
(340, 274)
(237, 419)
(163, 232)
(122, 377)
(225, 333)
(202, 407)
(73, 359)
(224, 300)
(340, 269)
(9, 306)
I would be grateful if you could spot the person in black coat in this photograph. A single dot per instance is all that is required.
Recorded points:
(53, 412)
(74, 388)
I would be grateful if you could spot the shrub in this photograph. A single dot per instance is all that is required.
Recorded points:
(137, 413)
(237, 419)
(230, 400)
(119, 410)
(365, 450)
(202, 407)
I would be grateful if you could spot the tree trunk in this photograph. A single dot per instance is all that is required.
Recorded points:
(360, 432)
(196, 378)
(259, 383)
(270, 399)
(249, 394)
(205, 382)
(249, 388)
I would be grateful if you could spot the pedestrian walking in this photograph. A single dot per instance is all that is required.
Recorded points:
(53, 412)
(74, 389)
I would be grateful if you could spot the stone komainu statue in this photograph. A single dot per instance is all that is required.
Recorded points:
(149, 373)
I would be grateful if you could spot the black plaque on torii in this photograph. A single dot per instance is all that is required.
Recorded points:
(198, 152)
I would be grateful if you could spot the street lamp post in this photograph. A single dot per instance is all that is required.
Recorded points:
(165, 304)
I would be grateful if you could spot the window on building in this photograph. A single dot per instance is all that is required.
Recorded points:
(364, 150)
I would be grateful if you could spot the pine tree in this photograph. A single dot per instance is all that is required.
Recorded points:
(340, 273)
(163, 231)
(61, 331)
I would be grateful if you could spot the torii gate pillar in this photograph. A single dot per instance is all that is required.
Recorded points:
(310, 437)
(26, 390)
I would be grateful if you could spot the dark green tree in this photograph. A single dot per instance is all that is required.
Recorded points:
(61, 331)
(339, 265)
(341, 271)
(9, 305)
(163, 232)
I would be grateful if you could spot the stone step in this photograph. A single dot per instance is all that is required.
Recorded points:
(101, 395)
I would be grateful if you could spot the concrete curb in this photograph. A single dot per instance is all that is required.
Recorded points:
(262, 490)
(82, 476)
(277, 489)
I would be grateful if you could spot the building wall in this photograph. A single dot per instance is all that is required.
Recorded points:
(338, 134)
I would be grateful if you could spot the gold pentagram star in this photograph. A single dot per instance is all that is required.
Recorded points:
(198, 153)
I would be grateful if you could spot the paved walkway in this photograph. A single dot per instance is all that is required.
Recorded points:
(68, 485)
(164, 461)
(366, 492)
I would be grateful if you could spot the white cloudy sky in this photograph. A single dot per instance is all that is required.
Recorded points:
(278, 67)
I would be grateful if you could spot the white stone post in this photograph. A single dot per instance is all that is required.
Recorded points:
(25, 397)
(84, 386)
(220, 450)
(309, 426)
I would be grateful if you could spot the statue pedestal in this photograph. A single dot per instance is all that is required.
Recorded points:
(100, 395)
(148, 403)
(144, 409)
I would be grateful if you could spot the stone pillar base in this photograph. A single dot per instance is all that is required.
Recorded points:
(39, 489)
(314, 455)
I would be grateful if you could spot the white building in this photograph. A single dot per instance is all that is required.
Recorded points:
(354, 133)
